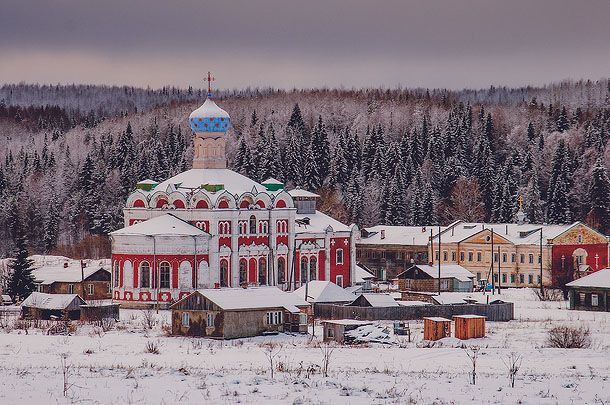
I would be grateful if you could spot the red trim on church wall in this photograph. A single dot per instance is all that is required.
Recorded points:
(138, 204)
(202, 204)
(161, 202)
(565, 273)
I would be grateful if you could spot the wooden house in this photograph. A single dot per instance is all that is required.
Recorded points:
(334, 330)
(436, 328)
(423, 277)
(48, 306)
(591, 293)
(88, 280)
(229, 313)
(469, 326)
(374, 300)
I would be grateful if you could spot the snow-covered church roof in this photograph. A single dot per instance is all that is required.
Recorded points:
(231, 181)
(167, 225)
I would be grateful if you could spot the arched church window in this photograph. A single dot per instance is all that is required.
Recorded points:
(165, 272)
(281, 270)
(262, 271)
(144, 275)
(313, 268)
(304, 266)
(253, 225)
(224, 273)
(116, 274)
(243, 271)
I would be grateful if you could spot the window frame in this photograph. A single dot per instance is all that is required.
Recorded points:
(165, 280)
(186, 319)
(339, 256)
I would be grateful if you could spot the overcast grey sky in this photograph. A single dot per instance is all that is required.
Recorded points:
(307, 43)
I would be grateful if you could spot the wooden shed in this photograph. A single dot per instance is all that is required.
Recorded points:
(335, 330)
(436, 328)
(45, 306)
(469, 326)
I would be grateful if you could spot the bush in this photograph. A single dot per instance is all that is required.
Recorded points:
(549, 294)
(567, 337)
(152, 347)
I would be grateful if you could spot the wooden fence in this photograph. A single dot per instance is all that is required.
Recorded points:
(493, 312)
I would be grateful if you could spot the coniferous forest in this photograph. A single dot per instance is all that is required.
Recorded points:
(70, 155)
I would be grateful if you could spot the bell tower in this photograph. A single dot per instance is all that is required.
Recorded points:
(210, 124)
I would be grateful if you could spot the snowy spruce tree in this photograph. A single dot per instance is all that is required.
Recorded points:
(599, 194)
(20, 282)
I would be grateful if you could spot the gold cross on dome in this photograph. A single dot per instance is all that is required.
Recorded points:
(209, 79)
(520, 200)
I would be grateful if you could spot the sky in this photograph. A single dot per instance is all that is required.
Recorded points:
(309, 43)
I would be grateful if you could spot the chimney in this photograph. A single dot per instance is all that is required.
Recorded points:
(423, 229)
(383, 234)
(507, 229)
(65, 265)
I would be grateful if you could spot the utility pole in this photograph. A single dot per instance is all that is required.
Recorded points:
(491, 266)
(439, 260)
(540, 263)
(499, 273)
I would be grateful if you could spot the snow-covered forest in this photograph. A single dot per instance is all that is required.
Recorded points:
(71, 154)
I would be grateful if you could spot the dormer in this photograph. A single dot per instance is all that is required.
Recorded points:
(304, 201)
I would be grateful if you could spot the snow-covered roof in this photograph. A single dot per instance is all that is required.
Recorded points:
(347, 322)
(355, 289)
(318, 223)
(233, 182)
(599, 279)
(209, 109)
(437, 319)
(519, 234)
(447, 271)
(271, 180)
(323, 291)
(459, 298)
(380, 300)
(148, 181)
(412, 303)
(233, 299)
(361, 274)
(299, 192)
(398, 235)
(167, 225)
(71, 274)
(52, 301)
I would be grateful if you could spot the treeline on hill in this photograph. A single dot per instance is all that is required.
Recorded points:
(397, 157)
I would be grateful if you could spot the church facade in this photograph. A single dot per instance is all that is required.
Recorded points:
(211, 227)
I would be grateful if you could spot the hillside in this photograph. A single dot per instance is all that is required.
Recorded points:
(71, 154)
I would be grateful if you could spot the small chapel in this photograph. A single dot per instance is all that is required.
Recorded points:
(211, 227)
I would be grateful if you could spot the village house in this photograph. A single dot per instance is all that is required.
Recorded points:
(389, 250)
(230, 313)
(423, 277)
(89, 279)
(324, 292)
(47, 306)
(592, 292)
(374, 300)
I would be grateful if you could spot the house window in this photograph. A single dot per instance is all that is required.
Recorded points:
(513, 257)
(210, 320)
(274, 318)
(164, 275)
(461, 256)
(504, 257)
(452, 256)
(530, 279)
(496, 258)
(339, 281)
(469, 256)
(116, 274)
(539, 279)
(522, 258)
(304, 269)
(521, 278)
(445, 256)
(281, 270)
(252, 225)
(109, 289)
(331, 332)
(70, 288)
(313, 268)
(478, 256)
(144, 275)
(436, 255)
(91, 288)
(539, 259)
(504, 278)
(243, 271)
(512, 278)
(594, 300)
(186, 321)
(339, 256)
(262, 271)
(582, 297)
(478, 275)
(531, 258)
(496, 278)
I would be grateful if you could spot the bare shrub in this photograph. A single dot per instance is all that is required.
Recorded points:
(271, 351)
(65, 370)
(152, 347)
(568, 337)
(513, 364)
(327, 352)
(149, 319)
(473, 353)
(549, 294)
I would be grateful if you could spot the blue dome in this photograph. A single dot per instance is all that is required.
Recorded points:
(209, 118)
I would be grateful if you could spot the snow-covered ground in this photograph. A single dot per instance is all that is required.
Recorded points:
(114, 368)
